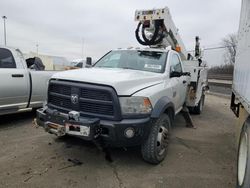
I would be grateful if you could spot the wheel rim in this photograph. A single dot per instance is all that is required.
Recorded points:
(242, 159)
(162, 140)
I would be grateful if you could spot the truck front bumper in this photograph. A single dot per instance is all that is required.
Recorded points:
(124, 133)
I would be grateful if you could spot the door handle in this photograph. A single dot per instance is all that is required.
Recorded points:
(184, 81)
(17, 75)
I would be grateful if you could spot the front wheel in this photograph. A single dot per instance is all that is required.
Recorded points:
(154, 149)
(243, 167)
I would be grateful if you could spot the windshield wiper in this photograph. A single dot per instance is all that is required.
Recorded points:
(105, 67)
(128, 68)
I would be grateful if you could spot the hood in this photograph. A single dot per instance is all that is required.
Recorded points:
(124, 81)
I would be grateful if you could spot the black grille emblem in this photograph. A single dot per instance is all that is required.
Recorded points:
(74, 98)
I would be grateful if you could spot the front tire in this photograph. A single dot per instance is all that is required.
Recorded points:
(154, 149)
(243, 166)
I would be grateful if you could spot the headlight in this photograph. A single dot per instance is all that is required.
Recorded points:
(135, 105)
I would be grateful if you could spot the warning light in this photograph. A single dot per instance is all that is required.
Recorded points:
(178, 48)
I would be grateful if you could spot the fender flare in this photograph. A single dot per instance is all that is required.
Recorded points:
(161, 106)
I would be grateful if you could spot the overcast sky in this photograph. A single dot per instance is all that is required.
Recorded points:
(59, 26)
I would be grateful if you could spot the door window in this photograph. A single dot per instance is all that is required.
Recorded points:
(6, 59)
(175, 64)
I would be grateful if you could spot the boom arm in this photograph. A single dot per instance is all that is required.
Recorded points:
(158, 30)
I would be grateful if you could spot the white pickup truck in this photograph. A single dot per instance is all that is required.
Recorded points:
(21, 87)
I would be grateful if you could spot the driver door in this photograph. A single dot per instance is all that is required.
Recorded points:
(181, 83)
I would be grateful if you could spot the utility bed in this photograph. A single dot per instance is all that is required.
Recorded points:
(198, 81)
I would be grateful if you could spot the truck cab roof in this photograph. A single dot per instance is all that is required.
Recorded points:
(146, 49)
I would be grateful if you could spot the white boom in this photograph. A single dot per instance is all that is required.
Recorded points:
(158, 30)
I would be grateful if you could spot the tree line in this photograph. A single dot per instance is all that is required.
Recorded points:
(230, 45)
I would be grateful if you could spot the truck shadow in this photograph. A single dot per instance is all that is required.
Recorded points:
(109, 155)
(13, 120)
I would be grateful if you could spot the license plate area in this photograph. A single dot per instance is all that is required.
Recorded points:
(77, 129)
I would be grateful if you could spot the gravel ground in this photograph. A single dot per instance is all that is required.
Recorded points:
(202, 157)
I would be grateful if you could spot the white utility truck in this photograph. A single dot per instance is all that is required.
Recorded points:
(130, 96)
(240, 101)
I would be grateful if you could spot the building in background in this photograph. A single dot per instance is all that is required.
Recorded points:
(50, 62)
(81, 63)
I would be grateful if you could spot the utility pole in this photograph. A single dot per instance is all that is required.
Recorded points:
(82, 47)
(4, 28)
(37, 48)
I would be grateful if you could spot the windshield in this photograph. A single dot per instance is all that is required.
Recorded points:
(134, 59)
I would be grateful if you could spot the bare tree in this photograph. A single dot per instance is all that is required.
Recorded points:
(230, 44)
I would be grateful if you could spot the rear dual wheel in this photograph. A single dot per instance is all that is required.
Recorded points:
(199, 108)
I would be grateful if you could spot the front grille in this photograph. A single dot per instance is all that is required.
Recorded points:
(65, 90)
(92, 100)
(60, 101)
(97, 108)
(98, 95)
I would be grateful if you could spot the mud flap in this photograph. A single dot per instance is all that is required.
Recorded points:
(185, 113)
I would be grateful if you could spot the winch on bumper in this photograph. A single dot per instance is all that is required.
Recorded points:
(127, 132)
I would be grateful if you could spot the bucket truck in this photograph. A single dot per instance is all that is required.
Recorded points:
(131, 96)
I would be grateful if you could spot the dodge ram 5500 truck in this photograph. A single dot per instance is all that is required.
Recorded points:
(128, 98)
(21, 88)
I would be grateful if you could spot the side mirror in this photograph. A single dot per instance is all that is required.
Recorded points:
(175, 74)
(88, 62)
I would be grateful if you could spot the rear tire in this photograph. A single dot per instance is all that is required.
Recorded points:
(198, 109)
(154, 149)
(243, 161)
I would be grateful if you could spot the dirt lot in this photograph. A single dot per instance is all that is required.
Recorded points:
(202, 157)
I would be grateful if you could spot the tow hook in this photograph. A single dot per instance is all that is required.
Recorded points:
(187, 117)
